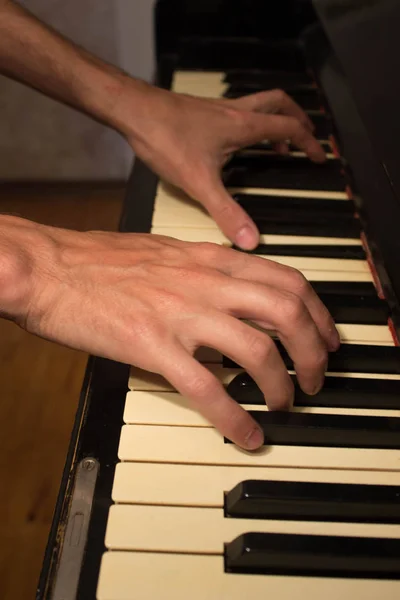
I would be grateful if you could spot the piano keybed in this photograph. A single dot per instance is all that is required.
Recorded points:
(170, 532)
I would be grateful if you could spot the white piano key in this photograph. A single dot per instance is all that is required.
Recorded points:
(150, 576)
(204, 531)
(173, 409)
(365, 334)
(371, 335)
(196, 83)
(215, 236)
(309, 263)
(140, 379)
(321, 194)
(312, 275)
(201, 445)
(204, 486)
(173, 208)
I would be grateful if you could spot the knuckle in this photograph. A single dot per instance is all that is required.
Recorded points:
(201, 386)
(279, 95)
(209, 251)
(259, 348)
(299, 284)
(291, 308)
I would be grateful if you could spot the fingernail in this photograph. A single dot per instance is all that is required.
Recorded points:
(246, 238)
(254, 439)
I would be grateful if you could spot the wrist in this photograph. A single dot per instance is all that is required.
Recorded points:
(18, 241)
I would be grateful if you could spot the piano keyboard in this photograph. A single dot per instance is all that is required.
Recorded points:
(314, 513)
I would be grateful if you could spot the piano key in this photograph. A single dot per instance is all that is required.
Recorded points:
(319, 264)
(274, 78)
(351, 358)
(139, 379)
(266, 145)
(299, 500)
(316, 227)
(205, 446)
(323, 125)
(319, 555)
(204, 531)
(321, 194)
(347, 308)
(284, 172)
(359, 290)
(201, 577)
(171, 408)
(197, 83)
(313, 227)
(266, 149)
(204, 485)
(328, 430)
(337, 391)
(260, 205)
(344, 252)
(215, 236)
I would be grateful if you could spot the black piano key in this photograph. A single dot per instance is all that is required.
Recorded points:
(289, 428)
(353, 358)
(316, 228)
(268, 146)
(284, 172)
(315, 251)
(308, 99)
(323, 126)
(272, 78)
(364, 310)
(338, 392)
(360, 289)
(260, 205)
(314, 555)
(303, 500)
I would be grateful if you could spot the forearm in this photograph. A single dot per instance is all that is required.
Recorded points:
(32, 53)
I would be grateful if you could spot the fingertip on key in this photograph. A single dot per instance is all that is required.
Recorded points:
(247, 238)
(254, 439)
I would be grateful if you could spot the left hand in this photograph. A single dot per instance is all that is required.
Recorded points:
(186, 141)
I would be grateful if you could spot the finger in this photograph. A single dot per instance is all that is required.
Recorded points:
(252, 349)
(284, 313)
(233, 221)
(277, 128)
(252, 268)
(275, 101)
(208, 396)
(281, 148)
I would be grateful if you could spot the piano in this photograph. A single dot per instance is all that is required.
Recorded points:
(153, 502)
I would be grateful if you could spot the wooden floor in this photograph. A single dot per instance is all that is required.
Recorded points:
(40, 384)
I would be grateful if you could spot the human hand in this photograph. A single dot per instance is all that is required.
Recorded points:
(186, 140)
(151, 301)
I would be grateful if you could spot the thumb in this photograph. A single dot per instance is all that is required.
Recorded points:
(233, 221)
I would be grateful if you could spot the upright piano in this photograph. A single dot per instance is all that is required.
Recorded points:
(156, 504)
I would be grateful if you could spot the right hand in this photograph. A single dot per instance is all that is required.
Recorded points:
(151, 301)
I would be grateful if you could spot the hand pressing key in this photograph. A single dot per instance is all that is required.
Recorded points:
(151, 301)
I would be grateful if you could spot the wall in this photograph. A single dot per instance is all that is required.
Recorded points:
(43, 140)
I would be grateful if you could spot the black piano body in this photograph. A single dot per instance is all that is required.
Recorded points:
(352, 49)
